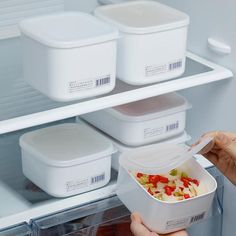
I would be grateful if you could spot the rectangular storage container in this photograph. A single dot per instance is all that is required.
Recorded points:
(160, 216)
(66, 159)
(152, 43)
(69, 55)
(121, 148)
(143, 122)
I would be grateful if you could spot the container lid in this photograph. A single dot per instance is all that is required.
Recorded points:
(142, 17)
(68, 30)
(150, 108)
(66, 144)
(179, 139)
(159, 158)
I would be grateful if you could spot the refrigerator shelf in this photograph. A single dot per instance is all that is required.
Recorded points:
(24, 201)
(21, 106)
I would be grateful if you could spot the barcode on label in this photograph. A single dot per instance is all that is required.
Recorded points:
(175, 65)
(172, 126)
(103, 81)
(197, 218)
(97, 178)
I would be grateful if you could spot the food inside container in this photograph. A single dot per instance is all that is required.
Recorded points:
(143, 122)
(171, 170)
(66, 159)
(174, 186)
(152, 43)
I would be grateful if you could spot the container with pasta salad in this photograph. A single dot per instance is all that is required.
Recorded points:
(166, 185)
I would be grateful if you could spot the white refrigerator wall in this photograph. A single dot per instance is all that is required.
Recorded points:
(214, 104)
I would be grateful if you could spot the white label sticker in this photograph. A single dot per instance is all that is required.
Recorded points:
(152, 70)
(152, 132)
(76, 86)
(184, 222)
(155, 70)
(76, 184)
(173, 224)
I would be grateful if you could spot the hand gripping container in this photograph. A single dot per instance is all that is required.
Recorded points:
(69, 55)
(152, 43)
(159, 216)
(143, 122)
(66, 159)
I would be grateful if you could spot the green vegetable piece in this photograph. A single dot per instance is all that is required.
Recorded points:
(148, 185)
(178, 194)
(159, 196)
(184, 175)
(174, 172)
(143, 180)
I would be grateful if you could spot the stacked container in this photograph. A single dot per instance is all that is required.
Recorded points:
(152, 43)
(70, 55)
(66, 159)
(143, 122)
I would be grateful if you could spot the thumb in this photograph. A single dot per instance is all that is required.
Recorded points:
(226, 143)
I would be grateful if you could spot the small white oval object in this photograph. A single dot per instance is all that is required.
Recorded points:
(218, 47)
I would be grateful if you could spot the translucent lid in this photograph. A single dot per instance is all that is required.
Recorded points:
(159, 159)
(150, 108)
(140, 17)
(68, 29)
(180, 139)
(66, 144)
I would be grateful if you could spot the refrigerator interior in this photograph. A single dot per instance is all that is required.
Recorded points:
(211, 104)
(214, 103)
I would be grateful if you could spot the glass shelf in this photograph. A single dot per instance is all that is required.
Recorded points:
(21, 106)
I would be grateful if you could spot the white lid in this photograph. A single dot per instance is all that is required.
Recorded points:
(179, 139)
(150, 108)
(140, 17)
(159, 158)
(68, 29)
(66, 144)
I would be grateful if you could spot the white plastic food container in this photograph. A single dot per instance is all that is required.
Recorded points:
(66, 159)
(121, 148)
(143, 122)
(152, 46)
(159, 216)
(69, 55)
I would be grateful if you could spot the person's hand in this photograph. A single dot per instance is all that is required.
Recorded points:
(138, 229)
(222, 153)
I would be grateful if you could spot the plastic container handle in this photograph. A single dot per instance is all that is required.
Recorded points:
(219, 47)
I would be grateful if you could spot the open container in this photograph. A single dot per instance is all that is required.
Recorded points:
(159, 216)
(63, 55)
(152, 46)
(143, 122)
(66, 159)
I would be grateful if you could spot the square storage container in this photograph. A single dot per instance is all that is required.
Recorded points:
(159, 216)
(66, 159)
(143, 122)
(121, 148)
(69, 55)
(152, 43)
